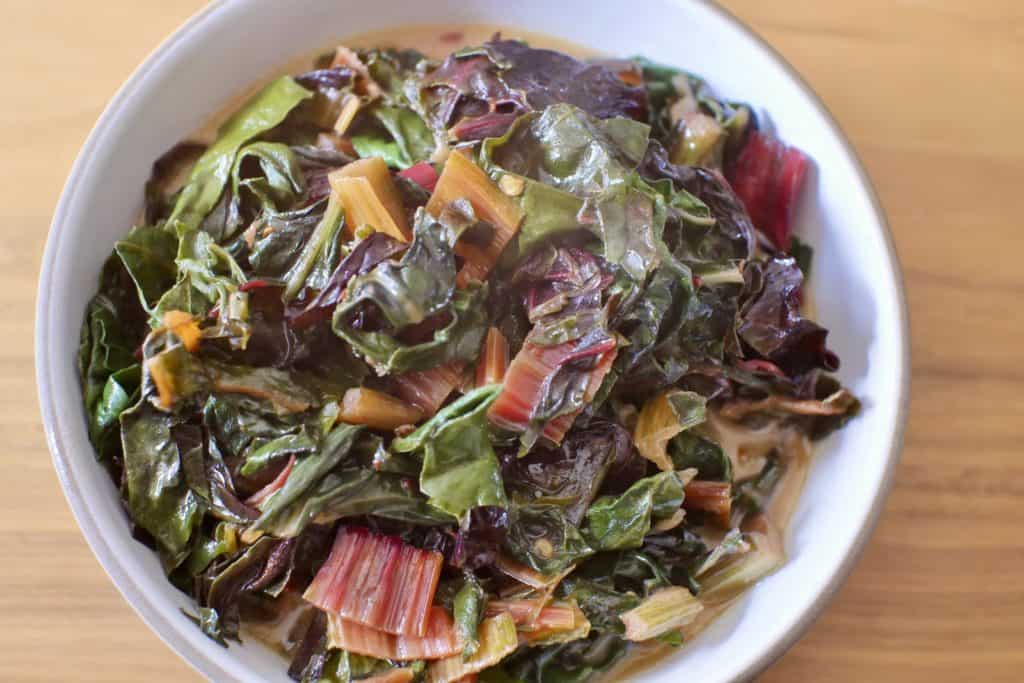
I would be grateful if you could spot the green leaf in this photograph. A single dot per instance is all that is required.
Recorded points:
(148, 255)
(375, 144)
(417, 288)
(346, 667)
(459, 340)
(655, 316)
(159, 499)
(689, 450)
(629, 222)
(188, 376)
(618, 522)
(241, 425)
(112, 330)
(280, 181)
(548, 212)
(409, 132)
(594, 160)
(120, 393)
(460, 469)
(251, 571)
(206, 183)
(277, 247)
(206, 549)
(359, 492)
(208, 276)
(601, 603)
(299, 443)
(804, 255)
(566, 148)
(305, 475)
(543, 538)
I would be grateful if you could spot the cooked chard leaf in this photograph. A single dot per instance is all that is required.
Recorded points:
(418, 290)
(404, 140)
(298, 443)
(277, 244)
(688, 450)
(262, 563)
(600, 602)
(278, 183)
(264, 111)
(568, 149)
(319, 256)
(616, 523)
(159, 499)
(544, 539)
(418, 286)
(770, 321)
(478, 92)
(595, 161)
(305, 475)
(572, 475)
(111, 331)
(120, 393)
(460, 470)
(148, 255)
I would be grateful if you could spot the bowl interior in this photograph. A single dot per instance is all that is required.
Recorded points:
(856, 285)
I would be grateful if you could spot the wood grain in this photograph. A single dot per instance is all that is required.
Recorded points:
(931, 92)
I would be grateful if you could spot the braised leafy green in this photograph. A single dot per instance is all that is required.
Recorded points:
(544, 423)
(616, 523)
(460, 470)
(212, 171)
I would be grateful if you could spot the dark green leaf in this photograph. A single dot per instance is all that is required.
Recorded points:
(614, 523)
(120, 393)
(264, 111)
(689, 450)
(305, 475)
(460, 470)
(601, 603)
(279, 182)
(570, 150)
(299, 443)
(115, 324)
(543, 538)
(804, 255)
(206, 549)
(277, 246)
(419, 289)
(403, 140)
(354, 493)
(148, 255)
(420, 285)
(159, 499)
(254, 570)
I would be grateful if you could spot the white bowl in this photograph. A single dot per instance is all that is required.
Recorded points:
(233, 43)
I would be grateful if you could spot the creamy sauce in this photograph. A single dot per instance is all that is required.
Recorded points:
(747, 448)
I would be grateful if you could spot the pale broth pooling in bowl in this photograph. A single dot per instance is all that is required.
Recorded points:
(480, 361)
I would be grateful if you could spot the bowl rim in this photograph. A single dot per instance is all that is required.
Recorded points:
(157, 621)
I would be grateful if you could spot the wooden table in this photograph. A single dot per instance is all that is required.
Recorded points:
(931, 93)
